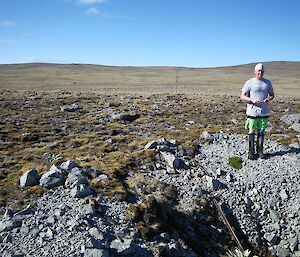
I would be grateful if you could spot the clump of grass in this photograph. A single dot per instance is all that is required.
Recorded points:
(146, 154)
(235, 162)
(238, 253)
(110, 187)
(147, 216)
(52, 157)
(144, 119)
(36, 190)
(154, 206)
(117, 163)
(2, 199)
(31, 203)
(3, 174)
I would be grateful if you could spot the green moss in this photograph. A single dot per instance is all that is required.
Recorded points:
(32, 204)
(235, 162)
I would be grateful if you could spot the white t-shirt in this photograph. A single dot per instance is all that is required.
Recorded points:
(258, 89)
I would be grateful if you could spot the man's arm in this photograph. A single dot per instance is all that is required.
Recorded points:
(270, 97)
(247, 98)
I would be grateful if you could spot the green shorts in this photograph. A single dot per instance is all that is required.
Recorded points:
(256, 124)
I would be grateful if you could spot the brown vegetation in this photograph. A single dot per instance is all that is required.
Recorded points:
(35, 132)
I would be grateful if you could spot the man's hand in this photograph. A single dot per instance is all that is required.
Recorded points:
(255, 101)
(269, 97)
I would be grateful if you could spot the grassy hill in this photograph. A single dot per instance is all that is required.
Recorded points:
(146, 80)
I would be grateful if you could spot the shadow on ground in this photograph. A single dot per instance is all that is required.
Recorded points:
(292, 150)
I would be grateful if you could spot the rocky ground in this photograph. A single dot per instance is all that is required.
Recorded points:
(131, 192)
(261, 199)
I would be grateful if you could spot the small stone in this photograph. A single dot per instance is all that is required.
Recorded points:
(8, 213)
(92, 252)
(283, 195)
(228, 177)
(271, 238)
(96, 233)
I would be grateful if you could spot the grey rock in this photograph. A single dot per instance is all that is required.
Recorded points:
(96, 233)
(274, 215)
(49, 233)
(87, 209)
(26, 211)
(72, 108)
(53, 178)
(151, 145)
(161, 145)
(8, 238)
(272, 238)
(214, 184)
(272, 202)
(29, 178)
(96, 253)
(173, 162)
(8, 213)
(51, 220)
(68, 165)
(125, 117)
(293, 242)
(291, 118)
(296, 127)
(207, 136)
(282, 252)
(81, 191)
(9, 224)
(93, 243)
(229, 177)
(34, 232)
(124, 247)
(13, 254)
(61, 210)
(75, 178)
(93, 172)
(283, 195)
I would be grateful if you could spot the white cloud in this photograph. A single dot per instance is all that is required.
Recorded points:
(92, 11)
(7, 23)
(91, 1)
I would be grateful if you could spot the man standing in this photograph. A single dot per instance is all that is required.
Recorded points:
(257, 91)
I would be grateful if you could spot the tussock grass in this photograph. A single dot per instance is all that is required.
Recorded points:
(88, 137)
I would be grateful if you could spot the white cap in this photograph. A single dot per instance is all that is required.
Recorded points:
(259, 66)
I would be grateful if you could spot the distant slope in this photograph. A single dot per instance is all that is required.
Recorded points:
(146, 80)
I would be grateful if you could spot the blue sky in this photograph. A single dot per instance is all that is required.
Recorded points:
(191, 33)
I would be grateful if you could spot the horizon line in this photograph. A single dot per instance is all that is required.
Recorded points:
(141, 66)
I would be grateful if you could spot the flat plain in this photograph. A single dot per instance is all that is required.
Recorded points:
(147, 80)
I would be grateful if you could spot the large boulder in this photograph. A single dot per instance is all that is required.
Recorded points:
(75, 178)
(29, 178)
(53, 178)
